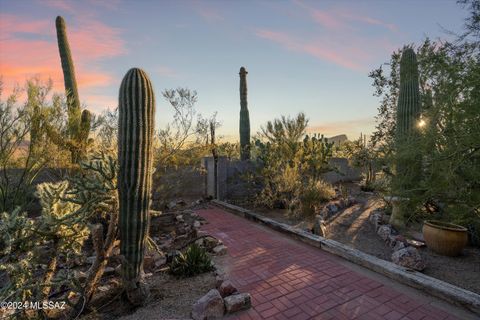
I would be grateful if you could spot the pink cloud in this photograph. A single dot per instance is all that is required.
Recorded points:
(340, 18)
(327, 20)
(22, 58)
(207, 12)
(316, 49)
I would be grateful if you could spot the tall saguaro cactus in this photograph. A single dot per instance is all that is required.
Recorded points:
(135, 155)
(244, 117)
(78, 121)
(409, 105)
(408, 162)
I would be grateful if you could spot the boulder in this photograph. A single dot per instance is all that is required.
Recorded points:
(237, 302)
(410, 258)
(384, 232)
(227, 288)
(197, 224)
(210, 306)
(210, 242)
(220, 250)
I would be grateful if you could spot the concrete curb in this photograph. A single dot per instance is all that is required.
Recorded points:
(435, 287)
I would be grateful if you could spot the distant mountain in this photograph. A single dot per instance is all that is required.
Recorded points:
(337, 140)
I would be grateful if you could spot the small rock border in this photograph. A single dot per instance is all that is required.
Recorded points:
(403, 254)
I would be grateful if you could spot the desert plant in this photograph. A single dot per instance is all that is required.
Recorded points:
(24, 149)
(244, 117)
(34, 247)
(291, 162)
(313, 194)
(195, 260)
(135, 157)
(79, 121)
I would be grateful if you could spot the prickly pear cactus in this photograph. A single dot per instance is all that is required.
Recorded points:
(135, 137)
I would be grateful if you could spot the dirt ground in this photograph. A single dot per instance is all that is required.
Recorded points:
(351, 227)
(170, 298)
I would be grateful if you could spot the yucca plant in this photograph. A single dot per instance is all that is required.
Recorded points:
(193, 261)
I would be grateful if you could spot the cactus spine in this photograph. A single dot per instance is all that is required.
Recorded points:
(135, 155)
(408, 162)
(78, 121)
(244, 117)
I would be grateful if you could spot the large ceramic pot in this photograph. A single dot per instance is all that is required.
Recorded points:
(445, 238)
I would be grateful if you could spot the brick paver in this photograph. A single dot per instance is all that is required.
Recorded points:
(291, 280)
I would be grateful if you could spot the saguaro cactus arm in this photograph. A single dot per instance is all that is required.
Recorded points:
(135, 137)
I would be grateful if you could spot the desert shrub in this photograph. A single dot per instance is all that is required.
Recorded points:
(313, 194)
(292, 163)
(33, 248)
(195, 260)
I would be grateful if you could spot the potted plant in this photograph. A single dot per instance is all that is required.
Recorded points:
(445, 238)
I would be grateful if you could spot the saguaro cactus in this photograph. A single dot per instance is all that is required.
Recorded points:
(135, 137)
(408, 107)
(244, 117)
(408, 163)
(78, 121)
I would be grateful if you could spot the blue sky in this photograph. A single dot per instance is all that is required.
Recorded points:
(310, 56)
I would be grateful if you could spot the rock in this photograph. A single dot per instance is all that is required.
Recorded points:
(416, 243)
(218, 281)
(171, 205)
(109, 271)
(220, 250)
(391, 240)
(80, 275)
(409, 258)
(200, 242)
(384, 232)
(179, 218)
(227, 288)
(171, 255)
(399, 245)
(159, 259)
(210, 306)
(210, 242)
(332, 208)
(91, 259)
(319, 227)
(197, 224)
(237, 302)
(202, 233)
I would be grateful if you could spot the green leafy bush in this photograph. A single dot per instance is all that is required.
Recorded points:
(194, 261)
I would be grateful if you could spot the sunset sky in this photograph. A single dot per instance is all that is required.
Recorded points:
(310, 56)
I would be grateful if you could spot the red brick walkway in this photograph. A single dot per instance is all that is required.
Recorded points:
(291, 280)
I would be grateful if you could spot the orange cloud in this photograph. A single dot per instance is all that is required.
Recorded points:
(28, 48)
(316, 49)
